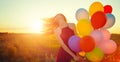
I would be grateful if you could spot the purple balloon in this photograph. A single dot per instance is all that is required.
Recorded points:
(73, 43)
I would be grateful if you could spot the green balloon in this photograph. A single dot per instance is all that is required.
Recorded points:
(95, 55)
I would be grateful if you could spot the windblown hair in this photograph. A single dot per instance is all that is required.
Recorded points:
(52, 23)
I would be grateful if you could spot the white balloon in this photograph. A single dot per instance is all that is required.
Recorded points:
(82, 14)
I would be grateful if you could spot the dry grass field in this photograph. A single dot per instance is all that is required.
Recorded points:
(38, 48)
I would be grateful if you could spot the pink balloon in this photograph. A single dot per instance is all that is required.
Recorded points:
(98, 36)
(108, 46)
(106, 34)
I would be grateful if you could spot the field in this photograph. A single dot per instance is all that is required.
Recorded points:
(38, 48)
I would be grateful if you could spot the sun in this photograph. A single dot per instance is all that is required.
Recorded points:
(37, 26)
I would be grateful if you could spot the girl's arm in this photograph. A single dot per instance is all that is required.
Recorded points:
(57, 33)
(73, 27)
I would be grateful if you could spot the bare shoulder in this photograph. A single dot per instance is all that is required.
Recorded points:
(57, 31)
(71, 25)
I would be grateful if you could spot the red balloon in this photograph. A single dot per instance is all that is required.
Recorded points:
(108, 9)
(98, 20)
(87, 43)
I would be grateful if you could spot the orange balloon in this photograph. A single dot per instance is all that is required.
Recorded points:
(87, 43)
(94, 7)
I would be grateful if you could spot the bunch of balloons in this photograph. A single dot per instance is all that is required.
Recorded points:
(94, 38)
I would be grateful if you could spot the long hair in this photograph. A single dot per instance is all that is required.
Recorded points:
(52, 23)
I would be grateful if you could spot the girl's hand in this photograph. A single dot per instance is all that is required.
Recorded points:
(81, 58)
(76, 58)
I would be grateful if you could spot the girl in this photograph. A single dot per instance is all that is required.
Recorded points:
(63, 32)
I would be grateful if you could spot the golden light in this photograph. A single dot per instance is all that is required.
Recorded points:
(37, 26)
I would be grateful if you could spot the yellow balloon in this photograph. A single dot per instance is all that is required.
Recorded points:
(82, 53)
(84, 27)
(96, 6)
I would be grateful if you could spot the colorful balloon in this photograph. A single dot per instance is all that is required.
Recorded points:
(82, 14)
(87, 43)
(84, 27)
(73, 43)
(108, 46)
(95, 7)
(98, 36)
(95, 55)
(82, 53)
(98, 20)
(110, 21)
(107, 9)
(106, 34)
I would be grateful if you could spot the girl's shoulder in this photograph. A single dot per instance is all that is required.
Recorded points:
(71, 25)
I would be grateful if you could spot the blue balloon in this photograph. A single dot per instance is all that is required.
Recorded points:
(110, 21)
(73, 43)
(82, 14)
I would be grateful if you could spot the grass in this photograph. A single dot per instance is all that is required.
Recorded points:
(38, 48)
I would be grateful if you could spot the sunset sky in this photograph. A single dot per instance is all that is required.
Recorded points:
(25, 16)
